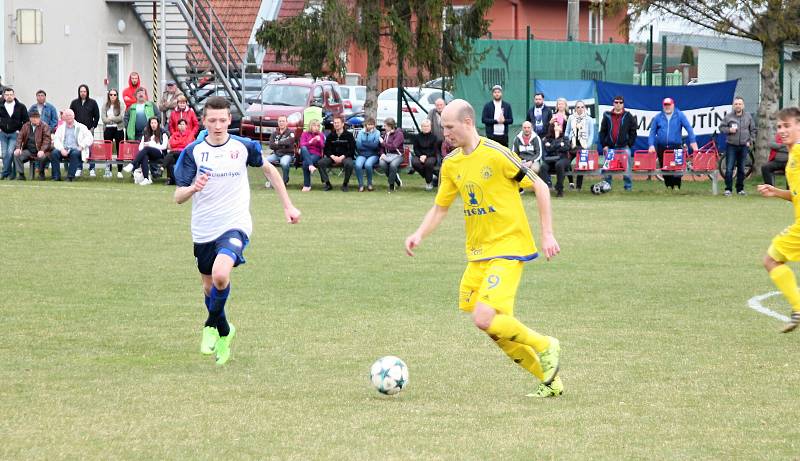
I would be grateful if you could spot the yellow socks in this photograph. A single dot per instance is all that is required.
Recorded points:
(522, 355)
(507, 327)
(783, 278)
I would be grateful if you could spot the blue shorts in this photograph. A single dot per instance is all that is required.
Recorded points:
(231, 243)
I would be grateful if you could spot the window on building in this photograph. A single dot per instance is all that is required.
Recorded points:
(595, 24)
(29, 26)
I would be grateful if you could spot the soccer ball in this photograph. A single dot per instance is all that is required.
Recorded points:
(601, 187)
(389, 375)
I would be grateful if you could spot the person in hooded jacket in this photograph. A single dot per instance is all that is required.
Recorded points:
(13, 114)
(87, 113)
(129, 94)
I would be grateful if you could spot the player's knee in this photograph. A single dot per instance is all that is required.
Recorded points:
(770, 263)
(220, 279)
(482, 317)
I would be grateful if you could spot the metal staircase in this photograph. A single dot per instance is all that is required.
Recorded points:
(200, 55)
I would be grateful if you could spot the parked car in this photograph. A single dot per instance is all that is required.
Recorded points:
(439, 82)
(211, 89)
(387, 105)
(289, 97)
(353, 97)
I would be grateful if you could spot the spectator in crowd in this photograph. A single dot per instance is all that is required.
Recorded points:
(311, 145)
(741, 131)
(87, 113)
(580, 132)
(169, 100)
(778, 157)
(666, 133)
(183, 112)
(112, 115)
(539, 115)
(72, 142)
(618, 131)
(560, 115)
(137, 115)
(392, 153)
(178, 140)
(151, 149)
(426, 149)
(13, 114)
(367, 144)
(435, 117)
(556, 157)
(528, 146)
(497, 117)
(129, 96)
(282, 143)
(340, 150)
(47, 111)
(60, 120)
(33, 143)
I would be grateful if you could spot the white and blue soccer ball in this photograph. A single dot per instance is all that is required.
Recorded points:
(389, 375)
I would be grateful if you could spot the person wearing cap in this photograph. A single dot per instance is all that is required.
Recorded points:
(169, 100)
(33, 143)
(666, 133)
(740, 129)
(497, 117)
(618, 131)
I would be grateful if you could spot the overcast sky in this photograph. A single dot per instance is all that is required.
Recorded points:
(664, 23)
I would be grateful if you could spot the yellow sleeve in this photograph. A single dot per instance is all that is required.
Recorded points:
(447, 188)
(511, 164)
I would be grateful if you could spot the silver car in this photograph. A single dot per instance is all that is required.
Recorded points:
(353, 97)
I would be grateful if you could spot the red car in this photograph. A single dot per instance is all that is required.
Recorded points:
(289, 97)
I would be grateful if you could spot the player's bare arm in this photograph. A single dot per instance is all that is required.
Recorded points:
(432, 219)
(549, 244)
(184, 193)
(767, 190)
(292, 214)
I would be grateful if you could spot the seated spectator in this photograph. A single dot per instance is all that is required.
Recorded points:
(282, 145)
(392, 156)
(556, 157)
(33, 143)
(426, 148)
(112, 115)
(177, 142)
(47, 111)
(183, 112)
(367, 144)
(129, 96)
(137, 115)
(340, 150)
(778, 157)
(71, 141)
(151, 149)
(580, 132)
(311, 144)
(528, 146)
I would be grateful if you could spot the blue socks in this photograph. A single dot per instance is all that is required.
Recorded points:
(215, 303)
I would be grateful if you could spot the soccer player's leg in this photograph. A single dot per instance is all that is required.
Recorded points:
(230, 247)
(785, 247)
(205, 253)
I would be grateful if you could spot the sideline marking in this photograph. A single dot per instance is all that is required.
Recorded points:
(755, 304)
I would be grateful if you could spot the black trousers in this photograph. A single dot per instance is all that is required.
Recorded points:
(768, 170)
(579, 180)
(501, 139)
(326, 162)
(146, 155)
(424, 169)
(560, 165)
(111, 133)
(670, 180)
(169, 164)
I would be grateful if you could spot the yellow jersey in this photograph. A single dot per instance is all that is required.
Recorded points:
(793, 178)
(487, 180)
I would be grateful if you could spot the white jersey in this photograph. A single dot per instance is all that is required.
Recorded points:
(224, 203)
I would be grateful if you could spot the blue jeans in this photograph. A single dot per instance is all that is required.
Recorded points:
(366, 163)
(308, 160)
(7, 143)
(285, 162)
(74, 158)
(626, 180)
(734, 156)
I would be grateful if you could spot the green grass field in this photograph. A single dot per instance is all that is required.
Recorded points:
(662, 359)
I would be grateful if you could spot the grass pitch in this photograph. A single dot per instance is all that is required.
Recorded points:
(662, 359)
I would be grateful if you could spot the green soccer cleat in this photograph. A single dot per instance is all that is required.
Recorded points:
(555, 389)
(223, 347)
(549, 360)
(210, 336)
(793, 322)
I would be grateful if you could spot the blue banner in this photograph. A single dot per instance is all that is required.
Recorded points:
(571, 90)
(704, 105)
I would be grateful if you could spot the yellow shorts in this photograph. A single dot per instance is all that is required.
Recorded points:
(786, 245)
(493, 282)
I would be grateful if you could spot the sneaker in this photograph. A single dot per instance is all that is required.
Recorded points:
(268, 184)
(793, 322)
(78, 173)
(146, 182)
(327, 187)
(728, 193)
(555, 389)
(549, 358)
(223, 347)
(92, 174)
(741, 192)
(312, 169)
(361, 188)
(345, 188)
(119, 175)
(572, 186)
(429, 186)
(210, 337)
(107, 174)
(370, 188)
(137, 176)
(128, 168)
(306, 189)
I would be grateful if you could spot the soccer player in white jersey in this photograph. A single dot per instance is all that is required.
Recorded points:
(213, 173)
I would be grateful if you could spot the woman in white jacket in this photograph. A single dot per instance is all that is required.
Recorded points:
(580, 131)
(151, 149)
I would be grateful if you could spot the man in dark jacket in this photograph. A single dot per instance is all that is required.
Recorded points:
(497, 116)
(282, 143)
(13, 114)
(556, 157)
(33, 143)
(340, 150)
(618, 131)
(539, 115)
(87, 113)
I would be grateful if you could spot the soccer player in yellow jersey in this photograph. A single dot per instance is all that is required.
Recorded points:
(488, 176)
(786, 245)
